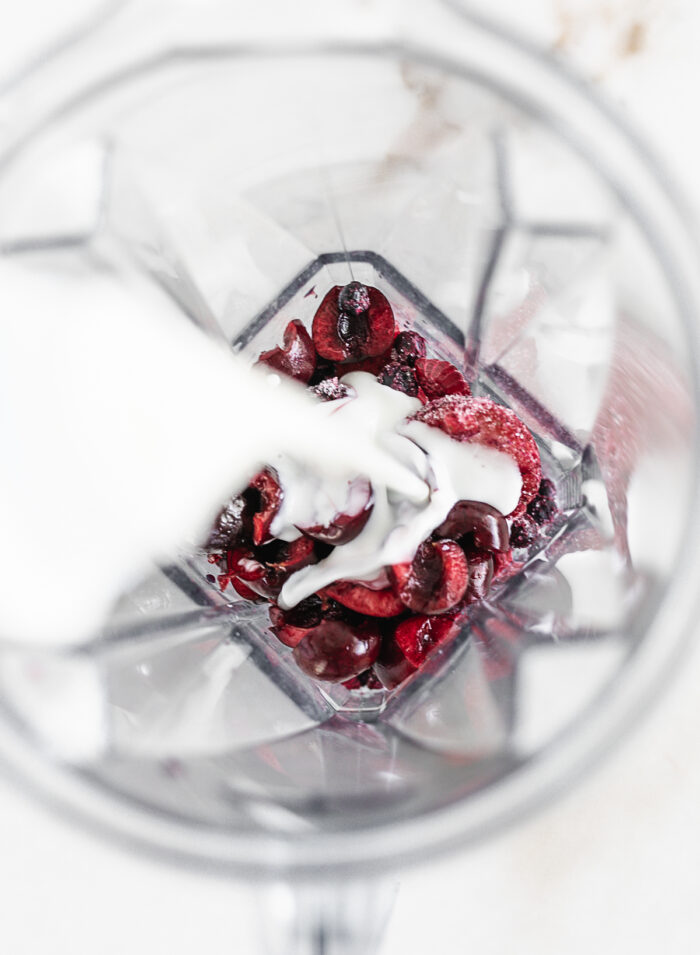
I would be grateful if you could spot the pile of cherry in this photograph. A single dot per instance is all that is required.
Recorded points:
(349, 632)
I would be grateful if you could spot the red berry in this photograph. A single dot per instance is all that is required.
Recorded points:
(244, 591)
(270, 501)
(374, 603)
(350, 331)
(233, 524)
(486, 526)
(400, 378)
(417, 636)
(354, 298)
(407, 347)
(490, 424)
(523, 532)
(439, 378)
(435, 580)
(543, 507)
(306, 614)
(335, 651)
(480, 576)
(297, 357)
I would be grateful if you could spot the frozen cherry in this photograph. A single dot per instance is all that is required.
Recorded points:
(523, 532)
(440, 378)
(374, 603)
(417, 636)
(233, 524)
(490, 424)
(480, 576)
(244, 591)
(354, 298)
(435, 580)
(400, 378)
(270, 501)
(296, 358)
(306, 614)
(542, 509)
(291, 626)
(345, 336)
(335, 651)
(486, 526)
(407, 347)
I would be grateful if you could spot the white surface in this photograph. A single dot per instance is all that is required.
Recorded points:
(611, 868)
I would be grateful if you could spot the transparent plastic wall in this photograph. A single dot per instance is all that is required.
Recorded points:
(246, 185)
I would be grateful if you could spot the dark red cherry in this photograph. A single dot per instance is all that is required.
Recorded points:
(335, 651)
(435, 580)
(400, 378)
(480, 576)
(407, 347)
(391, 666)
(296, 358)
(362, 329)
(374, 603)
(270, 500)
(486, 526)
(417, 636)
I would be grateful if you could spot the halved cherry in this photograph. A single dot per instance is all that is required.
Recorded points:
(439, 378)
(435, 580)
(291, 626)
(335, 651)
(234, 522)
(374, 603)
(270, 500)
(490, 424)
(297, 356)
(345, 526)
(353, 322)
(244, 591)
(417, 636)
(485, 525)
(266, 569)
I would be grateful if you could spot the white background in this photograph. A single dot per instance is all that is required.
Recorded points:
(614, 866)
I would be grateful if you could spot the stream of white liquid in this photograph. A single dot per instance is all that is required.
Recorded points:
(397, 525)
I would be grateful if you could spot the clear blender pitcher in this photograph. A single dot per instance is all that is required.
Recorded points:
(245, 161)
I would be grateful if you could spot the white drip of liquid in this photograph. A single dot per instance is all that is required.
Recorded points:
(397, 525)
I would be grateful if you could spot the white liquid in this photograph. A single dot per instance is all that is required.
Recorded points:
(454, 470)
(123, 428)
